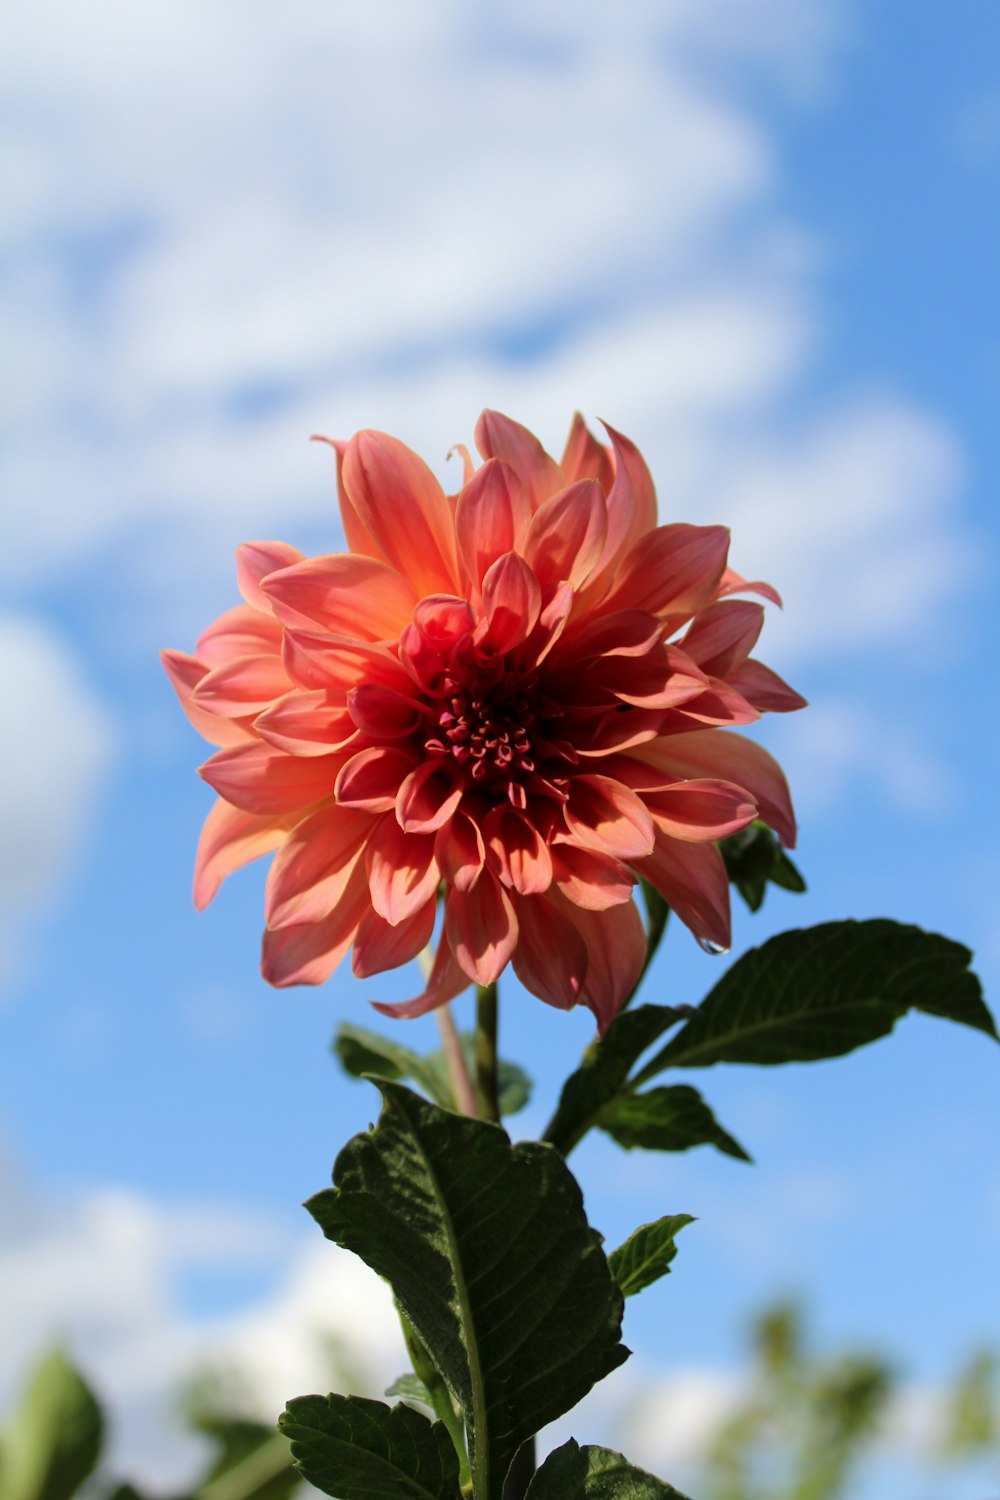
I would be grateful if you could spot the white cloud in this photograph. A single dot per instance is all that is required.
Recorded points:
(57, 750)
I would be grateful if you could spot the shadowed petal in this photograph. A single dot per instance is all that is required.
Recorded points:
(378, 946)
(383, 712)
(335, 662)
(736, 759)
(701, 811)
(481, 928)
(764, 689)
(723, 635)
(445, 981)
(616, 951)
(692, 880)
(460, 851)
(631, 499)
(550, 959)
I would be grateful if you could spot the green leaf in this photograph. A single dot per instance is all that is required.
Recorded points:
(53, 1442)
(822, 991)
(667, 1119)
(363, 1053)
(357, 1449)
(489, 1253)
(604, 1069)
(575, 1473)
(754, 859)
(410, 1387)
(646, 1254)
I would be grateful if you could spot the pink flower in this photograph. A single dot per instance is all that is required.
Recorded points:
(513, 696)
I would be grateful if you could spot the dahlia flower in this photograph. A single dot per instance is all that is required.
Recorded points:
(518, 698)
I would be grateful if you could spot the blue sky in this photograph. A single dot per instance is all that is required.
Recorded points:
(759, 238)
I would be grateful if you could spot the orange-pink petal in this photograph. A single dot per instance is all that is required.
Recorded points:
(606, 816)
(308, 721)
(491, 517)
(403, 872)
(185, 673)
(403, 509)
(498, 436)
(550, 959)
(241, 631)
(481, 928)
(567, 534)
(370, 781)
(590, 880)
(263, 779)
(311, 870)
(309, 953)
(709, 753)
(229, 839)
(344, 595)
(254, 561)
(243, 686)
(460, 851)
(517, 852)
(446, 980)
(378, 946)
(692, 880)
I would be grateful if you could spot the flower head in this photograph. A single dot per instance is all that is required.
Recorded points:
(521, 696)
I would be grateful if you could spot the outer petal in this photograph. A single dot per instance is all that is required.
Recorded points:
(404, 509)
(764, 689)
(732, 583)
(244, 686)
(491, 517)
(358, 539)
(370, 781)
(498, 436)
(672, 571)
(701, 811)
(241, 631)
(517, 852)
(631, 499)
(567, 534)
(231, 838)
(709, 753)
(307, 723)
(481, 928)
(378, 946)
(311, 871)
(591, 881)
(185, 673)
(460, 851)
(261, 779)
(605, 816)
(335, 663)
(254, 561)
(692, 880)
(308, 954)
(344, 595)
(445, 981)
(585, 458)
(723, 635)
(616, 951)
(550, 959)
(402, 871)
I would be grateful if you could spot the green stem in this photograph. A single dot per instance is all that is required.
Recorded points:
(251, 1474)
(487, 1083)
(458, 1070)
(444, 1406)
